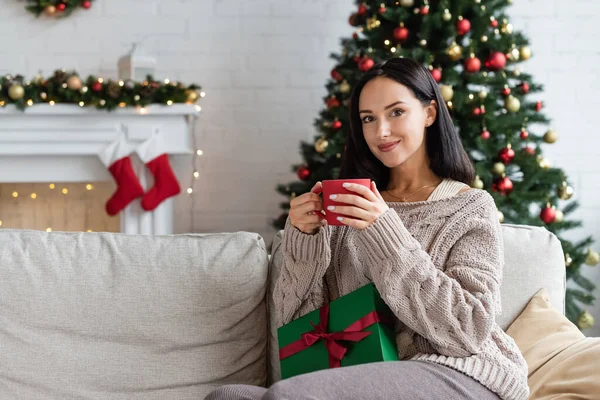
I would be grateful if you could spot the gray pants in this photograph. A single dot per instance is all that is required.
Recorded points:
(404, 380)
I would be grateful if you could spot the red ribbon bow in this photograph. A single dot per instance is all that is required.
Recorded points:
(336, 350)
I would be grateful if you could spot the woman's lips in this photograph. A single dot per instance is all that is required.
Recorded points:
(388, 146)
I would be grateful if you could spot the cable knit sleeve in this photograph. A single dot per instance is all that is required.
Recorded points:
(453, 309)
(300, 287)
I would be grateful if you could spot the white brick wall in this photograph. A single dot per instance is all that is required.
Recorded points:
(263, 64)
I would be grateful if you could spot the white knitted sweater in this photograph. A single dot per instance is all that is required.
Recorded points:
(438, 266)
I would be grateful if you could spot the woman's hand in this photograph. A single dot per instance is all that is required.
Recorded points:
(363, 210)
(305, 211)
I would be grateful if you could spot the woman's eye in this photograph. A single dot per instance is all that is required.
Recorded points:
(367, 119)
(397, 112)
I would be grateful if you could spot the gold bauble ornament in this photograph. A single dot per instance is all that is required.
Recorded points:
(550, 136)
(544, 163)
(500, 216)
(74, 83)
(446, 16)
(499, 168)
(525, 53)
(568, 260)
(191, 96)
(592, 258)
(483, 94)
(447, 92)
(345, 87)
(565, 192)
(585, 320)
(50, 10)
(321, 145)
(477, 183)
(16, 92)
(512, 104)
(560, 216)
(454, 52)
(407, 3)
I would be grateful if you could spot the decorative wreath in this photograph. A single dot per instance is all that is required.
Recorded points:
(56, 8)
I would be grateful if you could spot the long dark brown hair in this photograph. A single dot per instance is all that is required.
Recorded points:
(447, 156)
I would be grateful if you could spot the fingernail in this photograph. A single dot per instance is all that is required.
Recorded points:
(346, 185)
(331, 208)
(333, 196)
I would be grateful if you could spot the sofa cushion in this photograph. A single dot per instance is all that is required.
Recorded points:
(533, 259)
(112, 316)
(562, 361)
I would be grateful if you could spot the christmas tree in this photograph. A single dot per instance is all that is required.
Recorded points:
(473, 52)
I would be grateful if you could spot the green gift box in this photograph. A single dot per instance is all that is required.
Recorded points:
(355, 329)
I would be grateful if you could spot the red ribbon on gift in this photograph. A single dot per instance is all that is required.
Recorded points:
(353, 333)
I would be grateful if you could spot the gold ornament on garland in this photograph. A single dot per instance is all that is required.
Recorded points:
(499, 168)
(447, 92)
(512, 104)
(550, 136)
(321, 145)
(525, 53)
(592, 258)
(74, 83)
(564, 192)
(454, 52)
(16, 92)
(345, 87)
(477, 183)
(191, 96)
(446, 16)
(585, 320)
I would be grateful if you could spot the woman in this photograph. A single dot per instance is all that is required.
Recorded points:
(431, 245)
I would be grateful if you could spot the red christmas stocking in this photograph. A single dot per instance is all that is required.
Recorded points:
(116, 158)
(152, 153)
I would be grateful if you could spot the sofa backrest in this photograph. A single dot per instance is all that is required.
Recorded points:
(112, 316)
(533, 259)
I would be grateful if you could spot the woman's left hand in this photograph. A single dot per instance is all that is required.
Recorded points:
(364, 210)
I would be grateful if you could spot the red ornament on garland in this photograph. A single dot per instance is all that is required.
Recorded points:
(524, 134)
(86, 4)
(463, 26)
(382, 10)
(61, 7)
(485, 134)
(97, 86)
(478, 111)
(548, 214)
(332, 102)
(494, 23)
(506, 155)
(401, 33)
(472, 64)
(506, 91)
(336, 75)
(365, 64)
(436, 73)
(355, 35)
(538, 106)
(503, 185)
(303, 173)
(362, 10)
(337, 124)
(496, 61)
(529, 150)
(424, 10)
(524, 87)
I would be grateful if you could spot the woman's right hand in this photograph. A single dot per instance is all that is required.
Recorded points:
(305, 211)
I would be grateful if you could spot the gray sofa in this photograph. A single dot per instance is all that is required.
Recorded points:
(113, 316)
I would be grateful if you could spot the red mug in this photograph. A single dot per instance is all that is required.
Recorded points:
(334, 186)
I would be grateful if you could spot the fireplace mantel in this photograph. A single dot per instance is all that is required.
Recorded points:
(60, 143)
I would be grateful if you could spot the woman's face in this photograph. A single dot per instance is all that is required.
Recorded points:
(393, 121)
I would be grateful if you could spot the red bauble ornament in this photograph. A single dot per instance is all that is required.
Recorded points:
(365, 64)
(336, 75)
(494, 23)
(362, 10)
(61, 7)
(548, 214)
(529, 150)
(303, 173)
(352, 20)
(355, 35)
(382, 10)
(401, 33)
(506, 155)
(96, 86)
(436, 73)
(485, 134)
(524, 134)
(478, 111)
(336, 124)
(538, 106)
(332, 102)
(506, 91)
(524, 87)
(463, 26)
(424, 10)
(86, 4)
(496, 61)
(472, 64)
(503, 186)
